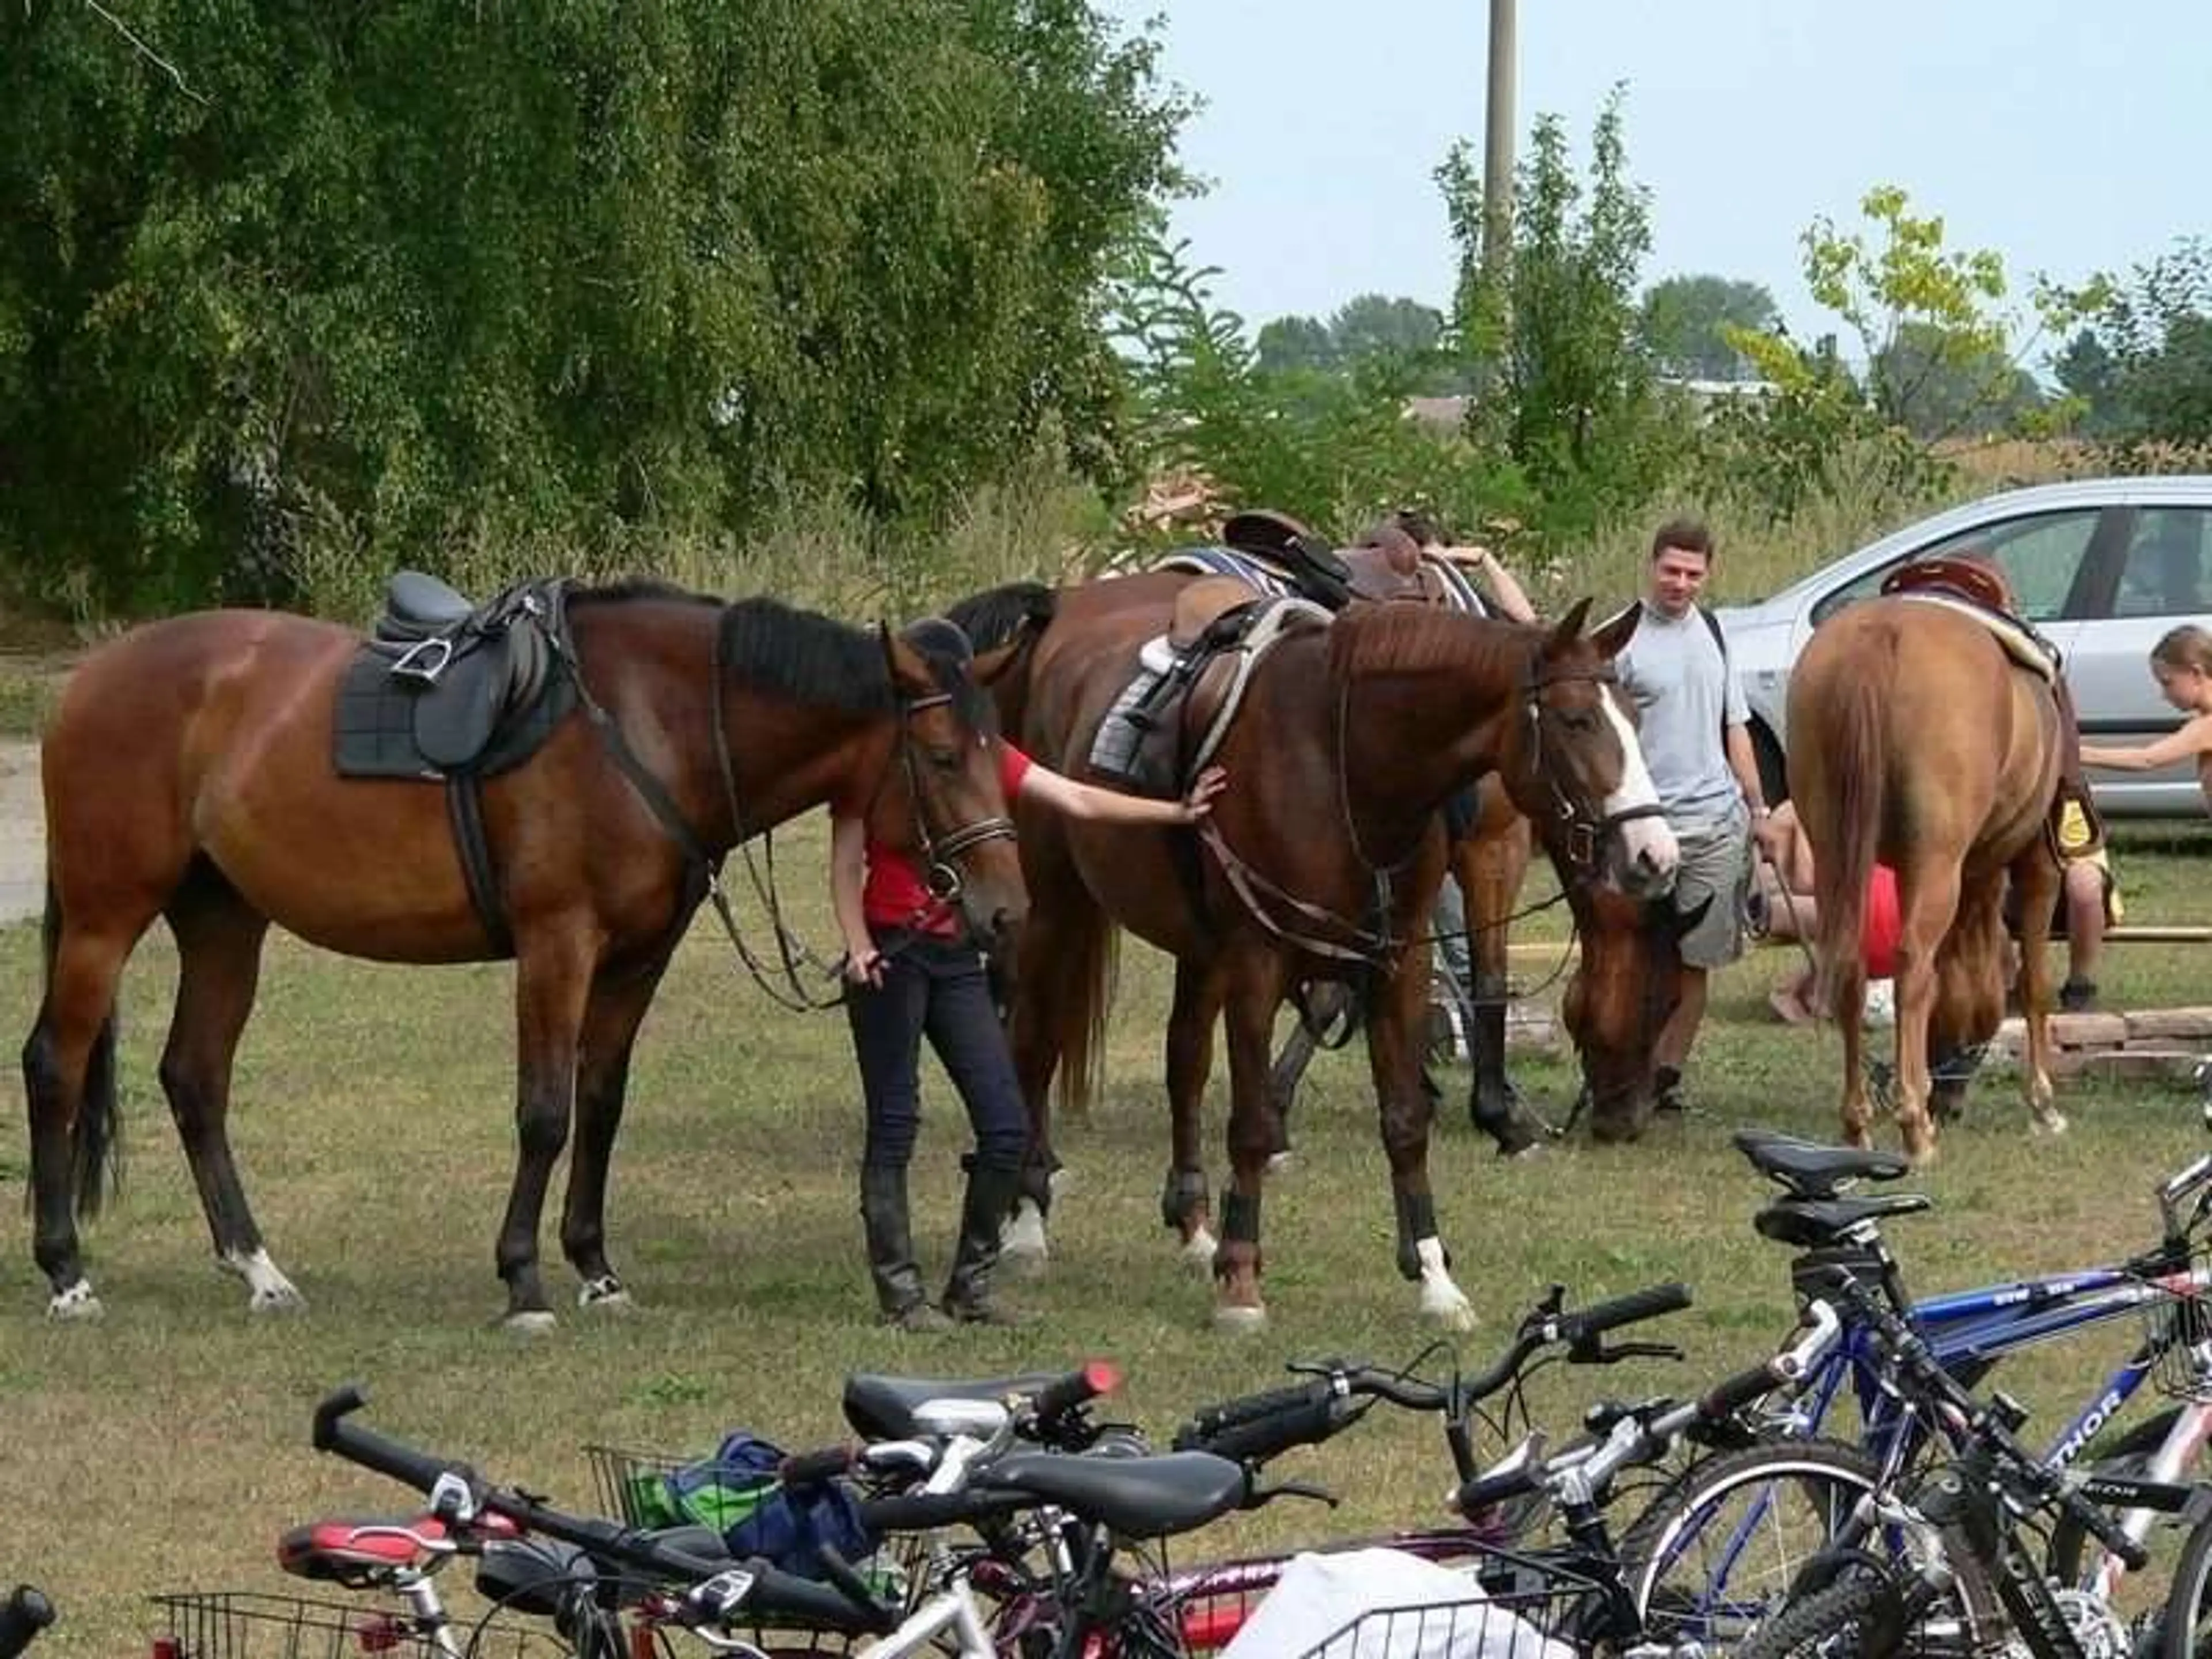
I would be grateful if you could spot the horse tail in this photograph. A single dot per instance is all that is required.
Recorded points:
(96, 1137)
(1842, 870)
(1085, 994)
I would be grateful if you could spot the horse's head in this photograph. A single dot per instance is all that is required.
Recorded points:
(1580, 767)
(942, 801)
(1623, 992)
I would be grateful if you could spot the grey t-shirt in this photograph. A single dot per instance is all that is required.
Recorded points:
(1684, 692)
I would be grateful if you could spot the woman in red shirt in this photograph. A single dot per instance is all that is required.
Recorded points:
(910, 974)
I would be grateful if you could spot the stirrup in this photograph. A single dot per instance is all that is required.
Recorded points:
(427, 672)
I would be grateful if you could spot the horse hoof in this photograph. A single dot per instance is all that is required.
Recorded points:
(1278, 1162)
(1198, 1252)
(1522, 1154)
(605, 1295)
(76, 1303)
(2052, 1124)
(530, 1321)
(1023, 1248)
(1061, 1180)
(1448, 1308)
(278, 1299)
(1236, 1319)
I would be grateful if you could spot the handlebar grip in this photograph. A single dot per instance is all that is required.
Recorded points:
(1726, 1399)
(927, 1511)
(1307, 1423)
(1636, 1306)
(816, 1468)
(1478, 1494)
(778, 1597)
(2106, 1526)
(881, 1617)
(371, 1450)
(1079, 1388)
(24, 1615)
(1197, 1434)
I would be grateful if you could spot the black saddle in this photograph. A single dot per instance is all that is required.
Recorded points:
(1313, 566)
(1820, 1224)
(883, 1408)
(1812, 1171)
(1132, 1497)
(470, 668)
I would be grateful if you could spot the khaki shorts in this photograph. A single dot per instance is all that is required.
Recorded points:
(1716, 862)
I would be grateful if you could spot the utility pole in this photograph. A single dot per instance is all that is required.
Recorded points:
(1498, 145)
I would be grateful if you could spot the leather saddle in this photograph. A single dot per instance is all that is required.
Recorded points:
(1977, 584)
(1314, 568)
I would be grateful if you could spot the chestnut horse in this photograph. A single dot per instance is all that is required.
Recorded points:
(1915, 739)
(190, 774)
(1321, 859)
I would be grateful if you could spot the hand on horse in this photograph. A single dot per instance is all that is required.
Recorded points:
(1210, 783)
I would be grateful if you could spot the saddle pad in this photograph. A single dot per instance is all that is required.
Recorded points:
(1459, 593)
(1264, 575)
(373, 730)
(2025, 648)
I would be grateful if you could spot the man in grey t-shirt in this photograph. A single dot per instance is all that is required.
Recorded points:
(1692, 727)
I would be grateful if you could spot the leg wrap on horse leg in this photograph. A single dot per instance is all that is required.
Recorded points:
(1240, 1223)
(1416, 1220)
(1186, 1190)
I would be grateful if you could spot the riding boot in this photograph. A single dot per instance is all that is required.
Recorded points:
(992, 1189)
(883, 1213)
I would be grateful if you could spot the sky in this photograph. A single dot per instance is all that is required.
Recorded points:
(2067, 135)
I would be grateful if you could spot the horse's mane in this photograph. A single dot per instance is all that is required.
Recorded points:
(804, 655)
(998, 615)
(1413, 638)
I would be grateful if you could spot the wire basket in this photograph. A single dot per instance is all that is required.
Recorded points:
(2179, 1328)
(1471, 1628)
(634, 1484)
(244, 1624)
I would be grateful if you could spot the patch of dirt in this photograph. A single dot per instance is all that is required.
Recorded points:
(22, 832)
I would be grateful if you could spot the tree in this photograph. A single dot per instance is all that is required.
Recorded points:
(1296, 346)
(410, 276)
(1568, 391)
(1940, 392)
(1684, 319)
(1372, 325)
(2147, 348)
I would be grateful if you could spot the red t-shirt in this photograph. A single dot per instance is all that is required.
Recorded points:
(1883, 924)
(896, 896)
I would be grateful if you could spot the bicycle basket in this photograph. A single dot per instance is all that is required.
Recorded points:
(244, 1624)
(1472, 1628)
(633, 1485)
(2179, 1328)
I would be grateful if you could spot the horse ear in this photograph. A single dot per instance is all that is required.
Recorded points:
(908, 668)
(1616, 634)
(990, 665)
(1570, 627)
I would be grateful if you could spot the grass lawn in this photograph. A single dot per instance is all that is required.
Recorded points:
(166, 1447)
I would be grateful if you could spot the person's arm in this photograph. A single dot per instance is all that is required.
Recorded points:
(1088, 801)
(2194, 738)
(1505, 589)
(849, 870)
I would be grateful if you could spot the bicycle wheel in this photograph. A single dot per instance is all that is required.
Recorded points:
(1722, 1548)
(2186, 1624)
(1844, 1621)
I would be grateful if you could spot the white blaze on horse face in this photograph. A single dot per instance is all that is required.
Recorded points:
(1649, 843)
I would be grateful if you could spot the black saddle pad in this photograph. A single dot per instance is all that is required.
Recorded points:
(378, 715)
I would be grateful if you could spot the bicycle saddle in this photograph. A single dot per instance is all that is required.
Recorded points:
(1133, 1497)
(1813, 1224)
(1810, 1170)
(882, 1407)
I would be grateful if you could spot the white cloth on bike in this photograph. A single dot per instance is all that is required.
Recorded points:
(1384, 1604)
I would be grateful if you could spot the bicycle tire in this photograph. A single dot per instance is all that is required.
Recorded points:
(1832, 1624)
(2189, 1604)
(1831, 1474)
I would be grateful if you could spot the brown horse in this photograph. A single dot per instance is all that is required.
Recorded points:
(1916, 739)
(190, 774)
(1323, 859)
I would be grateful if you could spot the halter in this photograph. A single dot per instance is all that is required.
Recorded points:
(1586, 832)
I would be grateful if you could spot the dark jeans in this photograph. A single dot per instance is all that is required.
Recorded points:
(938, 988)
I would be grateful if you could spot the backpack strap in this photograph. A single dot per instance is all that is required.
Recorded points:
(1728, 668)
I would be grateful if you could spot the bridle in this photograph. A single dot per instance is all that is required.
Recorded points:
(1586, 832)
(941, 856)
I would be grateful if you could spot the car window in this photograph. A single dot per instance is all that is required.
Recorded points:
(2040, 555)
(2163, 572)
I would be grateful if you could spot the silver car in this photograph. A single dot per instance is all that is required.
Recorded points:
(2103, 566)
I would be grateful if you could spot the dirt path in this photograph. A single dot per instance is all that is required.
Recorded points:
(22, 832)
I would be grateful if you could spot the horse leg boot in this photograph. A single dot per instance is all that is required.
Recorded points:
(968, 1299)
(888, 1221)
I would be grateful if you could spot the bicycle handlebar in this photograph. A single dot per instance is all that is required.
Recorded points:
(760, 1587)
(22, 1616)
